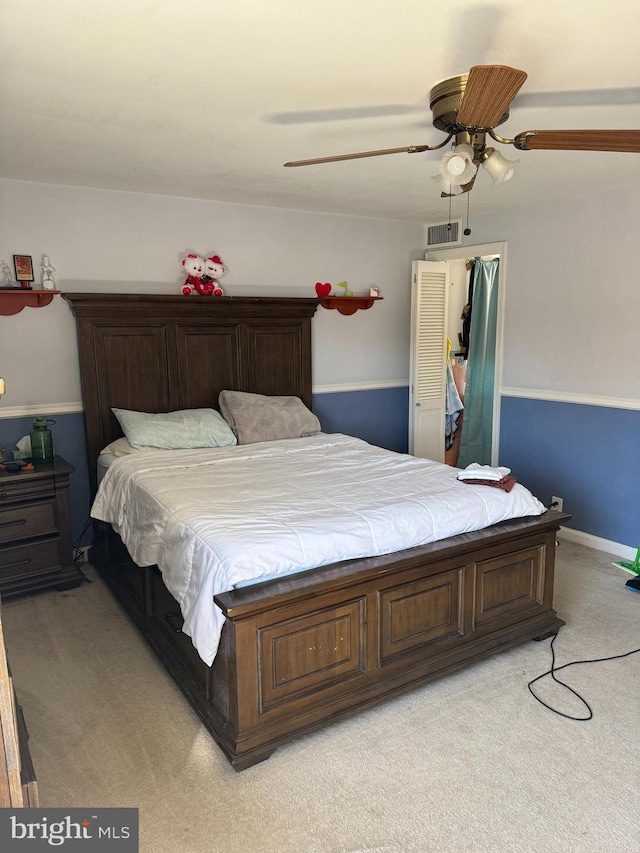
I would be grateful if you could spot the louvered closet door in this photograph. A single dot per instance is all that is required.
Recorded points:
(430, 280)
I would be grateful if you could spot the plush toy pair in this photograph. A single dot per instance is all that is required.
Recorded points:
(202, 275)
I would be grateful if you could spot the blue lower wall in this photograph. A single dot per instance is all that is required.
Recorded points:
(587, 455)
(379, 416)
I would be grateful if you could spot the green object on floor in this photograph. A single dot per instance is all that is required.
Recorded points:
(627, 566)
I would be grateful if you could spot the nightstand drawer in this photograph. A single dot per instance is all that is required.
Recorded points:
(27, 559)
(26, 489)
(24, 522)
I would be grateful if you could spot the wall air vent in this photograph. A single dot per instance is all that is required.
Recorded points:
(444, 234)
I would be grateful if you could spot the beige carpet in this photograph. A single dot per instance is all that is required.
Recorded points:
(468, 763)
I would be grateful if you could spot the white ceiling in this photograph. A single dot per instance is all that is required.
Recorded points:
(208, 98)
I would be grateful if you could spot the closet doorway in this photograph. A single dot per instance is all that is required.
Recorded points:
(437, 291)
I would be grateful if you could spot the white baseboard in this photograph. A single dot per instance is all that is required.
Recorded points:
(596, 542)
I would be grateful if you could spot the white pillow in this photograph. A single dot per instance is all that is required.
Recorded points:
(182, 430)
(121, 447)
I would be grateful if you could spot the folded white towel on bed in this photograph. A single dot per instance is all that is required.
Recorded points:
(483, 472)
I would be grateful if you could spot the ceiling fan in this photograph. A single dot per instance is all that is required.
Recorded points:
(469, 107)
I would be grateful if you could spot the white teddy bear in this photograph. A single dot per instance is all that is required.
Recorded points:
(194, 267)
(213, 269)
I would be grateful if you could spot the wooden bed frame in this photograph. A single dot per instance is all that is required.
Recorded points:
(296, 653)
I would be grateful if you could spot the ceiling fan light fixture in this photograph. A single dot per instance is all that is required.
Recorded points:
(497, 166)
(457, 166)
(443, 185)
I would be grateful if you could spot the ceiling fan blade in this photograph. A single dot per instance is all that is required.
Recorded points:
(488, 93)
(579, 140)
(411, 149)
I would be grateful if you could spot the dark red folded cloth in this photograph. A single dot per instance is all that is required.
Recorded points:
(506, 483)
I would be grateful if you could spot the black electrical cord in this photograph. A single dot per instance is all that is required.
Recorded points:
(552, 673)
(78, 554)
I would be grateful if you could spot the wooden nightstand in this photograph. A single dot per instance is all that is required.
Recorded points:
(36, 550)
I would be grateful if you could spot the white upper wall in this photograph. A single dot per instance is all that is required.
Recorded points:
(132, 242)
(573, 294)
(572, 301)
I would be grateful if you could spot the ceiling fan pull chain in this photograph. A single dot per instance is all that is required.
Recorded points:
(467, 230)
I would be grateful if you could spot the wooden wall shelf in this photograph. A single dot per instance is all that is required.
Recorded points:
(14, 300)
(349, 304)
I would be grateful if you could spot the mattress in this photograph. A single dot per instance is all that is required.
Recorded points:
(104, 460)
(218, 518)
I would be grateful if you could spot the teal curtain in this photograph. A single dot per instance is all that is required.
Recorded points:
(477, 427)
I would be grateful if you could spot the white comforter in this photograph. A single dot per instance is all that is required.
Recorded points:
(213, 519)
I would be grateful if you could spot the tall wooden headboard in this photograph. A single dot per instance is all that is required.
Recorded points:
(162, 353)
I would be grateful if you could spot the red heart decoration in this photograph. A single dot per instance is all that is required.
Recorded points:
(205, 288)
(323, 289)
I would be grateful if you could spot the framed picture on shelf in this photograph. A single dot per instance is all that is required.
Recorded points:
(23, 265)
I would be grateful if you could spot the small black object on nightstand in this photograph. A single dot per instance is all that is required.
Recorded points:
(12, 467)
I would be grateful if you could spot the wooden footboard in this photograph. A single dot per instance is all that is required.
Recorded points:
(301, 652)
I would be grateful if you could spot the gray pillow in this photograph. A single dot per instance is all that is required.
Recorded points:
(181, 430)
(256, 417)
